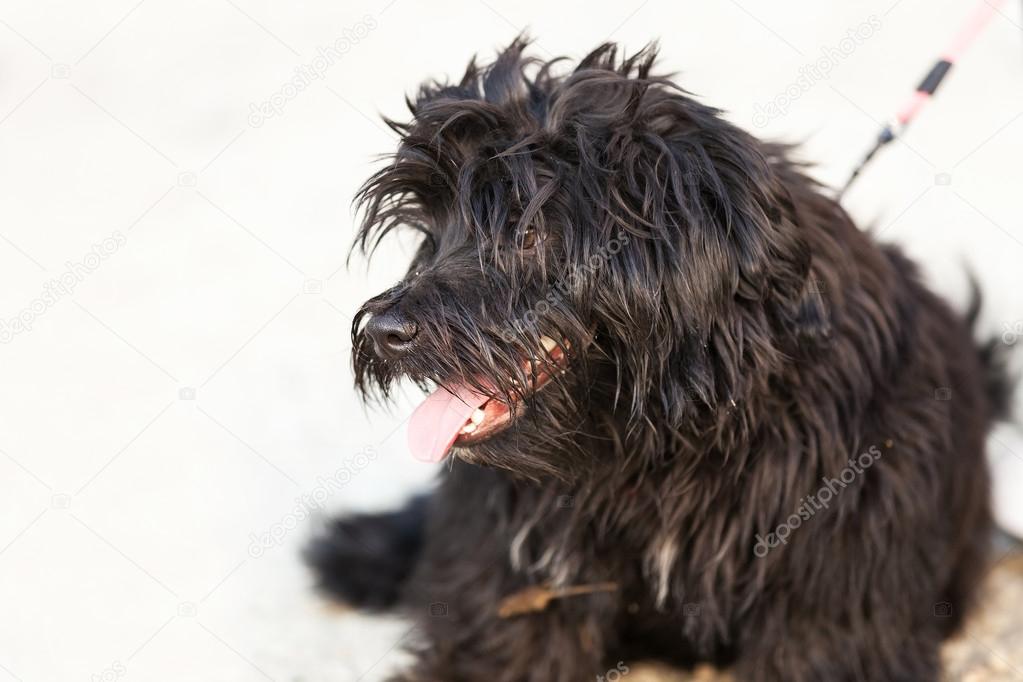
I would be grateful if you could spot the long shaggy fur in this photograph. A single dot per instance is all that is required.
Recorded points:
(734, 341)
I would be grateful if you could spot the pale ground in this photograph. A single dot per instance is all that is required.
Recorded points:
(195, 385)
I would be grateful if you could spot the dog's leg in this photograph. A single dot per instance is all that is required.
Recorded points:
(466, 572)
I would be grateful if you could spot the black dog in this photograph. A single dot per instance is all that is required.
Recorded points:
(759, 439)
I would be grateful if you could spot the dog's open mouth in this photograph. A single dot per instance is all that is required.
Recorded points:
(458, 415)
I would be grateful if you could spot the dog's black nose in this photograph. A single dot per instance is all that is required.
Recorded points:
(392, 333)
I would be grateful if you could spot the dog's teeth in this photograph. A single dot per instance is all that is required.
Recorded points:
(477, 416)
(468, 428)
(549, 344)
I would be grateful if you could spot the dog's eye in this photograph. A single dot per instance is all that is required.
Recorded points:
(529, 239)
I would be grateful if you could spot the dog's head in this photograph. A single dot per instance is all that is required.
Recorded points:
(601, 257)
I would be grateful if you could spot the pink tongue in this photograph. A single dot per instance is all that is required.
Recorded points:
(435, 424)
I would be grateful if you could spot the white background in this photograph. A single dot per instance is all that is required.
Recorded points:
(195, 384)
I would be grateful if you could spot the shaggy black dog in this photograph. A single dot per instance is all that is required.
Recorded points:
(689, 403)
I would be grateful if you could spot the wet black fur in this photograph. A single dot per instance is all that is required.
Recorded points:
(734, 340)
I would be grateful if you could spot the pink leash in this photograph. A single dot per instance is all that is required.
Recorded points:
(929, 85)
